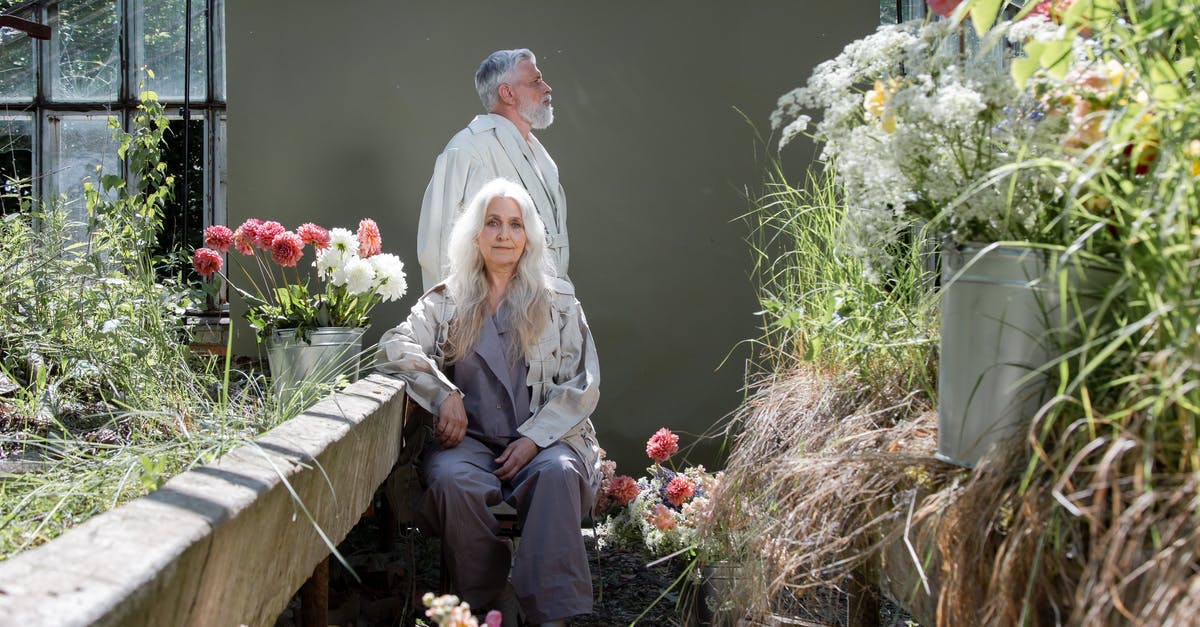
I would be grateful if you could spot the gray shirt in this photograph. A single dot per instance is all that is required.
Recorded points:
(493, 381)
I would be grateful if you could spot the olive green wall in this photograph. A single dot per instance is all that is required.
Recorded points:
(337, 111)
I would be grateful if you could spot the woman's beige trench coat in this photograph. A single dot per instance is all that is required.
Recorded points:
(564, 370)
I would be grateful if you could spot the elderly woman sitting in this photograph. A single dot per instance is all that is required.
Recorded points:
(501, 353)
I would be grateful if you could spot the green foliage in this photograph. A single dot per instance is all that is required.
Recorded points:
(109, 402)
(819, 306)
(127, 226)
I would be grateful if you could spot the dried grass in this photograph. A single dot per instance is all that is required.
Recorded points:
(822, 474)
(825, 478)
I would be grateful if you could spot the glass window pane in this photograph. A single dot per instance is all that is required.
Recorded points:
(159, 46)
(218, 26)
(75, 145)
(183, 228)
(85, 59)
(911, 10)
(16, 159)
(16, 61)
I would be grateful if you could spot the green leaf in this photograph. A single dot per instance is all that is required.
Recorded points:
(1022, 70)
(983, 14)
(111, 181)
(1056, 57)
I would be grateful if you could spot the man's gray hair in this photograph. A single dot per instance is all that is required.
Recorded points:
(497, 68)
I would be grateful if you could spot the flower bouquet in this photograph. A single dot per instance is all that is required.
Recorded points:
(922, 123)
(355, 274)
(659, 512)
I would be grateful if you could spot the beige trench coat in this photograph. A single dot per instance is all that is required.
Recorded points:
(490, 147)
(564, 370)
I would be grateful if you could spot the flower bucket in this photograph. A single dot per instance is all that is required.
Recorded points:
(1001, 323)
(208, 332)
(714, 595)
(306, 370)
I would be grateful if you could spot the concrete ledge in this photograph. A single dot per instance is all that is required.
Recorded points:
(224, 544)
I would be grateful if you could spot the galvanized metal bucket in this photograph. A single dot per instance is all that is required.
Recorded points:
(1002, 324)
(304, 371)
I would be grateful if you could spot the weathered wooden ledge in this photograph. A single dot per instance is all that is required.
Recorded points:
(224, 544)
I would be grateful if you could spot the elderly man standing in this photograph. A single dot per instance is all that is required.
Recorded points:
(496, 144)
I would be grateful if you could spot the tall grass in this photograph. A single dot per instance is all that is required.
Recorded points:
(835, 436)
(1091, 517)
(102, 399)
(819, 305)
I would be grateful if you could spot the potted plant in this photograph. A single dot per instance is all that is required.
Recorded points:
(929, 137)
(312, 336)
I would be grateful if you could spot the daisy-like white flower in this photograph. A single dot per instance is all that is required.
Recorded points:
(328, 260)
(389, 271)
(359, 276)
(342, 240)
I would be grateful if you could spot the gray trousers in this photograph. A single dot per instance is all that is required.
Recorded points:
(550, 571)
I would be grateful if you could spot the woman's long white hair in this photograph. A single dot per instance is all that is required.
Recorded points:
(528, 294)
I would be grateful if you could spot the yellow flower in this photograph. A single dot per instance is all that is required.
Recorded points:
(1193, 151)
(875, 103)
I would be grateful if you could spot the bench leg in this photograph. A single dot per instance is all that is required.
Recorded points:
(314, 597)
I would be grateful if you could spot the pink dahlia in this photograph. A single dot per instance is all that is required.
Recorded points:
(662, 445)
(244, 236)
(943, 7)
(287, 248)
(661, 517)
(264, 237)
(313, 234)
(206, 261)
(493, 619)
(369, 241)
(623, 489)
(219, 237)
(680, 490)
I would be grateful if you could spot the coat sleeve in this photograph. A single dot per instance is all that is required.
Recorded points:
(406, 352)
(457, 175)
(575, 390)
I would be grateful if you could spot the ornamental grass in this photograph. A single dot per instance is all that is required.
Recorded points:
(1088, 516)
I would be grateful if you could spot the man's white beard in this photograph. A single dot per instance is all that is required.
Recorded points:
(537, 114)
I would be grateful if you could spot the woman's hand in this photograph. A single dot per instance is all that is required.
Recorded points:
(514, 458)
(452, 422)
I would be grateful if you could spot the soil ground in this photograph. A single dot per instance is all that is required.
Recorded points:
(393, 575)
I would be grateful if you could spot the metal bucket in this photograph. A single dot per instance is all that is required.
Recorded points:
(304, 371)
(1001, 324)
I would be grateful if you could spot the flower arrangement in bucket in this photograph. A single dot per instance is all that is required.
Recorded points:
(355, 272)
(660, 512)
(1010, 160)
(289, 316)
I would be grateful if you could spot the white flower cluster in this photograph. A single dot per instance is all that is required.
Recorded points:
(916, 129)
(381, 274)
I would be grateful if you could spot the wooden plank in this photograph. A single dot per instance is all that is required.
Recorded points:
(225, 544)
(33, 29)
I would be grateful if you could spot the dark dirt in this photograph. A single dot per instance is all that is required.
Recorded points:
(393, 580)
(394, 575)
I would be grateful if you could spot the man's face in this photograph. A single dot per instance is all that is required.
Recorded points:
(533, 95)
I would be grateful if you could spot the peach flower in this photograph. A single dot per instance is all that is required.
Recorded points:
(206, 261)
(369, 241)
(623, 489)
(287, 248)
(680, 490)
(218, 237)
(662, 445)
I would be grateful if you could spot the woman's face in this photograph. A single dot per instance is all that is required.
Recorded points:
(502, 240)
